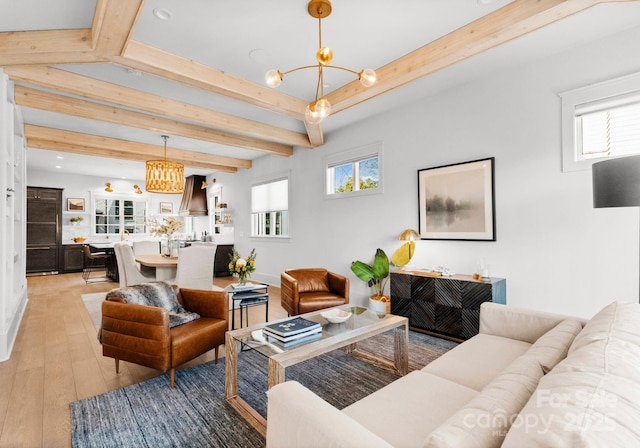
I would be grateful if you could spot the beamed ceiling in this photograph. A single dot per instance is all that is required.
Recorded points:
(106, 78)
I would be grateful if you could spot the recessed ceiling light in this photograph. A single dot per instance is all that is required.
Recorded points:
(58, 166)
(259, 55)
(59, 157)
(162, 14)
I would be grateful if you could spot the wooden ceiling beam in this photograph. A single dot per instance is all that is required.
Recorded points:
(60, 80)
(112, 154)
(46, 47)
(315, 133)
(116, 21)
(52, 102)
(148, 59)
(143, 57)
(507, 23)
(59, 140)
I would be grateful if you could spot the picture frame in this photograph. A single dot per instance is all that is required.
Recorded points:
(457, 202)
(166, 208)
(75, 204)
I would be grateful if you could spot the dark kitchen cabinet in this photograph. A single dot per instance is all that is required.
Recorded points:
(222, 259)
(44, 230)
(73, 258)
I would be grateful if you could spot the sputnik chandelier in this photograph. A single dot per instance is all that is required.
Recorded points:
(320, 107)
(164, 176)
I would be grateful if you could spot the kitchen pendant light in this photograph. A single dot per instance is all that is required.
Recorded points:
(165, 176)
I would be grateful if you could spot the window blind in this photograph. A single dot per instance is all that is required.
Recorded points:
(610, 128)
(270, 197)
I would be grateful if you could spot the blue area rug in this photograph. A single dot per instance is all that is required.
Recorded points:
(196, 414)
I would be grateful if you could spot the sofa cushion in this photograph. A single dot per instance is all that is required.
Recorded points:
(487, 418)
(516, 323)
(477, 361)
(591, 398)
(404, 412)
(316, 280)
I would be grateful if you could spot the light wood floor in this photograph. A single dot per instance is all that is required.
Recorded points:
(57, 360)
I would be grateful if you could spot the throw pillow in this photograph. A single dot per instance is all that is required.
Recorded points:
(552, 347)
(618, 319)
(157, 294)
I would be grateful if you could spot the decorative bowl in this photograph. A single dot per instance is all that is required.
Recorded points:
(336, 316)
(79, 239)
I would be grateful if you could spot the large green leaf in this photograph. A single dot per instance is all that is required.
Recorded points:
(380, 266)
(363, 271)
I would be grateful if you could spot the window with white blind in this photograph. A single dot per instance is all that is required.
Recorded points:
(601, 121)
(270, 208)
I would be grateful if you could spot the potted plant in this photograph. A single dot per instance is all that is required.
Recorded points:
(76, 220)
(375, 275)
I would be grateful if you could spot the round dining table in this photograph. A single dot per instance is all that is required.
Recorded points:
(165, 266)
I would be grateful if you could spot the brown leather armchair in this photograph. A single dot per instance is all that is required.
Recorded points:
(140, 334)
(310, 289)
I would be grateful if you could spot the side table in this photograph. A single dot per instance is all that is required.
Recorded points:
(246, 296)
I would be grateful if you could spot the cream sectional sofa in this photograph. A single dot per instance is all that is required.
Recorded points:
(528, 379)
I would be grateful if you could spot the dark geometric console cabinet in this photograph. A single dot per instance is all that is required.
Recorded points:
(445, 305)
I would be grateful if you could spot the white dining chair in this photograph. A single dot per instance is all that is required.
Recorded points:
(195, 267)
(127, 268)
(144, 248)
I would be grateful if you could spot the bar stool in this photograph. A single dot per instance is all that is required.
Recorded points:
(92, 263)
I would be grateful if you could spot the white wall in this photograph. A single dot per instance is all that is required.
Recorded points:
(556, 252)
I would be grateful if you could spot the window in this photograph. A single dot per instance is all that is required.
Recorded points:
(270, 208)
(600, 121)
(113, 215)
(357, 171)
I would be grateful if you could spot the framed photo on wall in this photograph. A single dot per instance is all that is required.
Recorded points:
(457, 202)
(166, 208)
(75, 204)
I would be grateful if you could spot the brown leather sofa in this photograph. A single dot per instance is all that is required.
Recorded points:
(140, 334)
(311, 289)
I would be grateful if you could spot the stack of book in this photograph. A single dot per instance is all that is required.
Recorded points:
(293, 331)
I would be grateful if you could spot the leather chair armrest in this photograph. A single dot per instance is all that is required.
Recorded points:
(289, 296)
(206, 303)
(339, 284)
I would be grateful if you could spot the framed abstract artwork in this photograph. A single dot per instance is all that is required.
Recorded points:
(457, 202)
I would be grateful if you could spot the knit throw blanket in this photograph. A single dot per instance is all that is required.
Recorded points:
(158, 294)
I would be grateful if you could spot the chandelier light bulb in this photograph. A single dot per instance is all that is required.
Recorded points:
(273, 78)
(323, 107)
(311, 115)
(324, 55)
(367, 77)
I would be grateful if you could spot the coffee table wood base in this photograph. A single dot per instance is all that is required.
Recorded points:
(278, 363)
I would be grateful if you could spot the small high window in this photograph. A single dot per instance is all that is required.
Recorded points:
(357, 171)
(600, 121)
